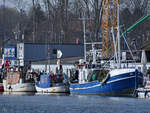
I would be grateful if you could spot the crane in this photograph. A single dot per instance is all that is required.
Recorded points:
(109, 20)
(135, 24)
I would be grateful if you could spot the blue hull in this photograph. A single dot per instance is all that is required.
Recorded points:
(119, 85)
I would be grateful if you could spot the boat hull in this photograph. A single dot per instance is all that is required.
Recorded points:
(143, 93)
(119, 85)
(19, 87)
(55, 89)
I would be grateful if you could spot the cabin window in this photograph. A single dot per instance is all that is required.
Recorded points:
(11, 76)
(99, 75)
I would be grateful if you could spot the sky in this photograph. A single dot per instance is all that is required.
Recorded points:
(24, 4)
(20, 4)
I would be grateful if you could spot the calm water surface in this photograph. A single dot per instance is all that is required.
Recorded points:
(60, 103)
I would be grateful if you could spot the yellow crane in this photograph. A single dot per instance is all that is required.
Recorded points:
(109, 21)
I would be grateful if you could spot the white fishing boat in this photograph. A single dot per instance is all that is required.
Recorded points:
(15, 83)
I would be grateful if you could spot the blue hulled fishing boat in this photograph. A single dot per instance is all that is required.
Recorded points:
(117, 82)
(51, 84)
(98, 78)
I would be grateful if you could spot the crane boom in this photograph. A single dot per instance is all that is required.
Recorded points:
(134, 25)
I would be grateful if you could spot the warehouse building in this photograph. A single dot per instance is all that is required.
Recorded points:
(43, 57)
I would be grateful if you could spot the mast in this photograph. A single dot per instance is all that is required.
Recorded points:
(94, 54)
(3, 25)
(48, 9)
(119, 62)
(84, 35)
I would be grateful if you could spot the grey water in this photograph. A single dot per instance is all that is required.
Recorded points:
(64, 103)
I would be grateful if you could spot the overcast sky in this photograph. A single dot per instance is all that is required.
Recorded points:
(24, 4)
(20, 4)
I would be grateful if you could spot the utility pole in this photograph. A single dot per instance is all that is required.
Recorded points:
(84, 19)
(48, 36)
(84, 31)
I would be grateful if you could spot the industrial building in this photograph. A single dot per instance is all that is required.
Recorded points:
(43, 56)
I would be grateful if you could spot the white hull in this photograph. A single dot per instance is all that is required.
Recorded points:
(19, 87)
(57, 89)
(143, 93)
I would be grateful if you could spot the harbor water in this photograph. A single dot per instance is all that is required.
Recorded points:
(64, 103)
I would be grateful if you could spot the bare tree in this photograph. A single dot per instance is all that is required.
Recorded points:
(93, 12)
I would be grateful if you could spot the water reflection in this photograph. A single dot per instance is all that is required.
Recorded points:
(53, 94)
(32, 94)
(18, 93)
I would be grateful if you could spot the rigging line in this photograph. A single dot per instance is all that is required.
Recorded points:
(115, 46)
(129, 50)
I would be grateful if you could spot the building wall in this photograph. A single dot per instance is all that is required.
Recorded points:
(35, 52)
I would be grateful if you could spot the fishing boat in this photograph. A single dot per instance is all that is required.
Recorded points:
(53, 83)
(111, 80)
(15, 82)
(115, 82)
(97, 78)
(47, 84)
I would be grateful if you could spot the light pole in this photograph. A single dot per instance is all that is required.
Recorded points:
(3, 26)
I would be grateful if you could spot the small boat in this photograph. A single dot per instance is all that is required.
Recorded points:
(54, 83)
(144, 92)
(14, 82)
(48, 84)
